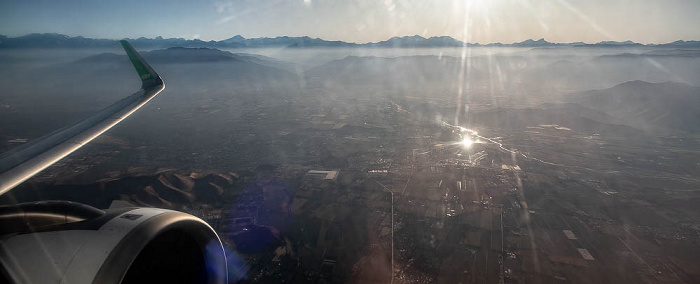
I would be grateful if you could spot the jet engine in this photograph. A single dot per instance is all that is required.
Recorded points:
(68, 242)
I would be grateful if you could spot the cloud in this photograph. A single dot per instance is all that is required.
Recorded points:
(222, 7)
(226, 19)
(234, 9)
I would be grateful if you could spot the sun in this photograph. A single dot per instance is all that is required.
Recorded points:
(466, 142)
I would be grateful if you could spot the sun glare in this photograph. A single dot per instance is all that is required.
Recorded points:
(466, 142)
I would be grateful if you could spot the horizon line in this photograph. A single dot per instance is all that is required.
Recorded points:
(405, 36)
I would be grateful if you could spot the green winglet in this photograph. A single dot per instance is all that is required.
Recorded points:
(146, 73)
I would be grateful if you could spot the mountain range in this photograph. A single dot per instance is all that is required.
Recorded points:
(53, 40)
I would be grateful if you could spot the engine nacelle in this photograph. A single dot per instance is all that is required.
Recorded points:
(124, 245)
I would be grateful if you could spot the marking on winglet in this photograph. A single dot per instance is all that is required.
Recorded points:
(142, 68)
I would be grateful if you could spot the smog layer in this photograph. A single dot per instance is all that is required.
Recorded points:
(480, 164)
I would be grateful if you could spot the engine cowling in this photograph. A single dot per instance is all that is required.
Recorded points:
(124, 245)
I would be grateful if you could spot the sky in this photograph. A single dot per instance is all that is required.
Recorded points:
(476, 21)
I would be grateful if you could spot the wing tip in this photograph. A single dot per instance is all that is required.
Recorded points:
(148, 76)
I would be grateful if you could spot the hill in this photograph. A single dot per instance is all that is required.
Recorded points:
(165, 190)
(195, 64)
(647, 105)
(572, 116)
(605, 71)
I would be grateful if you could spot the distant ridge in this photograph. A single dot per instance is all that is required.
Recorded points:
(669, 105)
(53, 40)
(191, 55)
(171, 189)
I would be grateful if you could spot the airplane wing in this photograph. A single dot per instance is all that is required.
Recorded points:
(21, 163)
